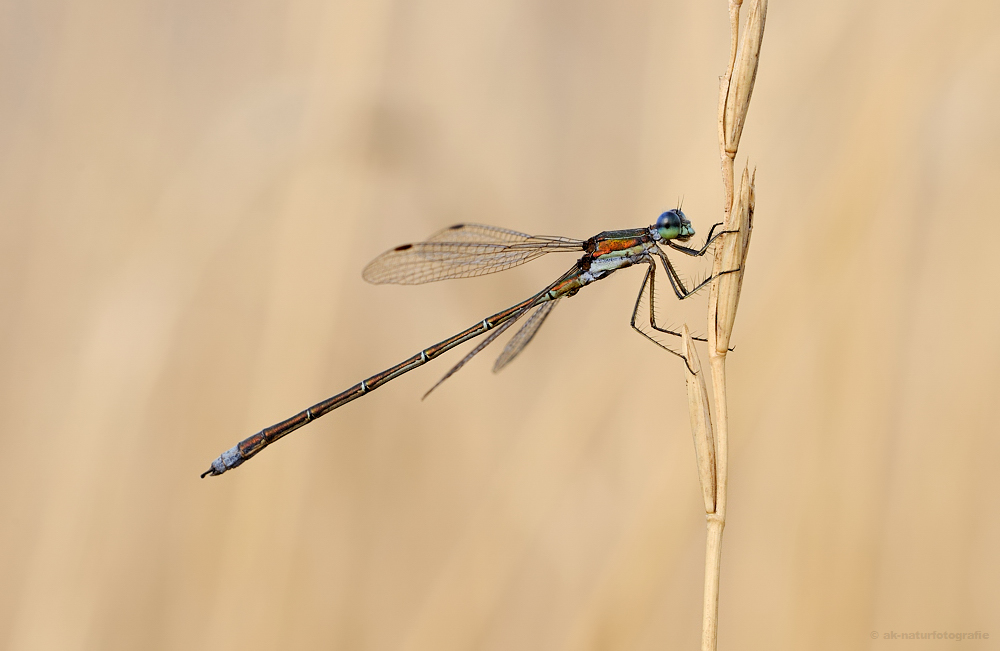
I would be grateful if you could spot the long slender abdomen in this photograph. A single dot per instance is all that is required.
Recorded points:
(247, 448)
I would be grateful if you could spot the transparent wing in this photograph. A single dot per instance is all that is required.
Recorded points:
(524, 336)
(475, 351)
(478, 233)
(462, 251)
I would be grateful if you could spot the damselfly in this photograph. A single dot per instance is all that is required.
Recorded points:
(467, 250)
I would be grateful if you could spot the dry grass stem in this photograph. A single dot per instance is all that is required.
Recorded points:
(701, 419)
(734, 101)
(713, 560)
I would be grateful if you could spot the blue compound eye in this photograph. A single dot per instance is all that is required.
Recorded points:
(671, 224)
(669, 220)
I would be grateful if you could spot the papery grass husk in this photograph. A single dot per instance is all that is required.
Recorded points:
(744, 75)
(701, 419)
(729, 267)
(736, 86)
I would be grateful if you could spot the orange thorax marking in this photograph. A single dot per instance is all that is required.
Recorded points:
(606, 247)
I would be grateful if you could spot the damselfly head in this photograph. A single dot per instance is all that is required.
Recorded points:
(674, 225)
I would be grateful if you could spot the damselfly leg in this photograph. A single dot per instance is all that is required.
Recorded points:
(708, 242)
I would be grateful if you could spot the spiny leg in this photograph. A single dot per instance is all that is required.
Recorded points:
(652, 307)
(648, 281)
(677, 284)
(708, 242)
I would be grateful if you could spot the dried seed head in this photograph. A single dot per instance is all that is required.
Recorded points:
(744, 74)
(730, 263)
(701, 420)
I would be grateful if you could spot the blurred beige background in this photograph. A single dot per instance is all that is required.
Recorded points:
(189, 190)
